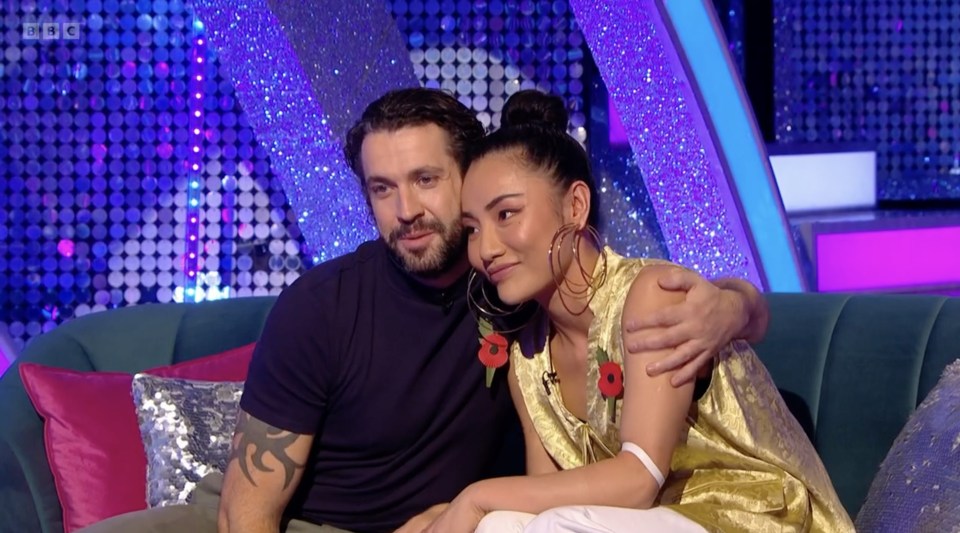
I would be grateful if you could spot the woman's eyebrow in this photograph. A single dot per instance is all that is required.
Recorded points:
(491, 204)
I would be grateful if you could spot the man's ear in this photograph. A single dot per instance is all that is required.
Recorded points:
(578, 204)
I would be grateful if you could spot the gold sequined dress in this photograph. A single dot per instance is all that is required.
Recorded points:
(745, 465)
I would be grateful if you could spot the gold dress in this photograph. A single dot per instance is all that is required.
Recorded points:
(745, 464)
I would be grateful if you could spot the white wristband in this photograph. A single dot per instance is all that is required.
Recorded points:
(638, 452)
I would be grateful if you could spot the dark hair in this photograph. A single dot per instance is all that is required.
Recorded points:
(535, 124)
(416, 106)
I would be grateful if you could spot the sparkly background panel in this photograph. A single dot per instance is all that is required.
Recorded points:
(93, 203)
(674, 149)
(617, 162)
(93, 140)
(484, 51)
(281, 65)
(884, 72)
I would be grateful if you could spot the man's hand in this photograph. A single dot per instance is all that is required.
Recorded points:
(696, 330)
(419, 523)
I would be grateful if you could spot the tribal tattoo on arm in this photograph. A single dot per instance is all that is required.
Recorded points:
(255, 439)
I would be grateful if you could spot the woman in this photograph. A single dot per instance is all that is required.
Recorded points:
(608, 447)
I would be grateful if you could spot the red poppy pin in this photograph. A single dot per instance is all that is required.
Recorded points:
(493, 349)
(610, 382)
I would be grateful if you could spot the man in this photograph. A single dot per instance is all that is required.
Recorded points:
(365, 408)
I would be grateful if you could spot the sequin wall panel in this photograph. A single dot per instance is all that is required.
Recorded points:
(731, 16)
(100, 206)
(484, 51)
(99, 197)
(96, 194)
(884, 72)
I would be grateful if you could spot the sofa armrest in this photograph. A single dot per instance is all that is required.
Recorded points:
(16, 501)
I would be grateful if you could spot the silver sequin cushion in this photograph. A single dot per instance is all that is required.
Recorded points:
(187, 427)
(918, 486)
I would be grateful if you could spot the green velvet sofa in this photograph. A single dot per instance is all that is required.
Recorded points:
(852, 369)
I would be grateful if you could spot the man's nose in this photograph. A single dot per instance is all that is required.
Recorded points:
(409, 208)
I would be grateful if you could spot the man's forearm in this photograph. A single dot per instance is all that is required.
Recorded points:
(755, 305)
(247, 524)
(264, 470)
(238, 513)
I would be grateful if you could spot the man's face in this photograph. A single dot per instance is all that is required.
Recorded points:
(413, 183)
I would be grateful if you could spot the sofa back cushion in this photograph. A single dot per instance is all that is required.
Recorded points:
(853, 369)
(129, 340)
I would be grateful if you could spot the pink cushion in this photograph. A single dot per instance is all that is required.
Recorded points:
(92, 437)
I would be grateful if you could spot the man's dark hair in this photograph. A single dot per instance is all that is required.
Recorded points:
(415, 107)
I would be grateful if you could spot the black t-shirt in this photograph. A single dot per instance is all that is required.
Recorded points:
(384, 373)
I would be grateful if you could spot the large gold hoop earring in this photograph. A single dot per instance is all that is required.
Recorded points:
(591, 284)
(501, 317)
(556, 244)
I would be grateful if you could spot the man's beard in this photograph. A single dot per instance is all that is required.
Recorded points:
(436, 260)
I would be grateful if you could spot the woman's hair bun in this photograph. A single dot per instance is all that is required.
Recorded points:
(531, 107)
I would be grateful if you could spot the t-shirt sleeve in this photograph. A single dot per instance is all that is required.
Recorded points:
(292, 369)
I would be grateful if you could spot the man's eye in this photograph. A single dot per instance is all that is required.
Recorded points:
(427, 180)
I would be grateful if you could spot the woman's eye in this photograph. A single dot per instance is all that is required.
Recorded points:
(506, 213)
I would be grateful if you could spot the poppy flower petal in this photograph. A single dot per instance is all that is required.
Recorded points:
(611, 380)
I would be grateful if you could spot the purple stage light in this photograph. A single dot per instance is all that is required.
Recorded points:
(617, 134)
(7, 350)
(191, 262)
(895, 259)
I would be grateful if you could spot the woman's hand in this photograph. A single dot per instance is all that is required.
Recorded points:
(461, 516)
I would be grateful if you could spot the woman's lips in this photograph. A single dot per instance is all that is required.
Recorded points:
(500, 272)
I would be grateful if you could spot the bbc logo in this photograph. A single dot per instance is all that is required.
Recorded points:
(51, 31)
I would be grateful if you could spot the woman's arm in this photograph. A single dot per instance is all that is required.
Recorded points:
(653, 417)
(654, 411)
(538, 460)
(709, 316)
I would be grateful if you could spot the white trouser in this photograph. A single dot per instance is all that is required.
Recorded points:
(589, 519)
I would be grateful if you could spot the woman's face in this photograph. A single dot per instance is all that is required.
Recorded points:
(511, 213)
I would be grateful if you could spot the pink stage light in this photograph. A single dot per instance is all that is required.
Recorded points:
(8, 352)
(890, 259)
(66, 247)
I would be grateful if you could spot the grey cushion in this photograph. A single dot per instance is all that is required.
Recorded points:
(918, 486)
(187, 428)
